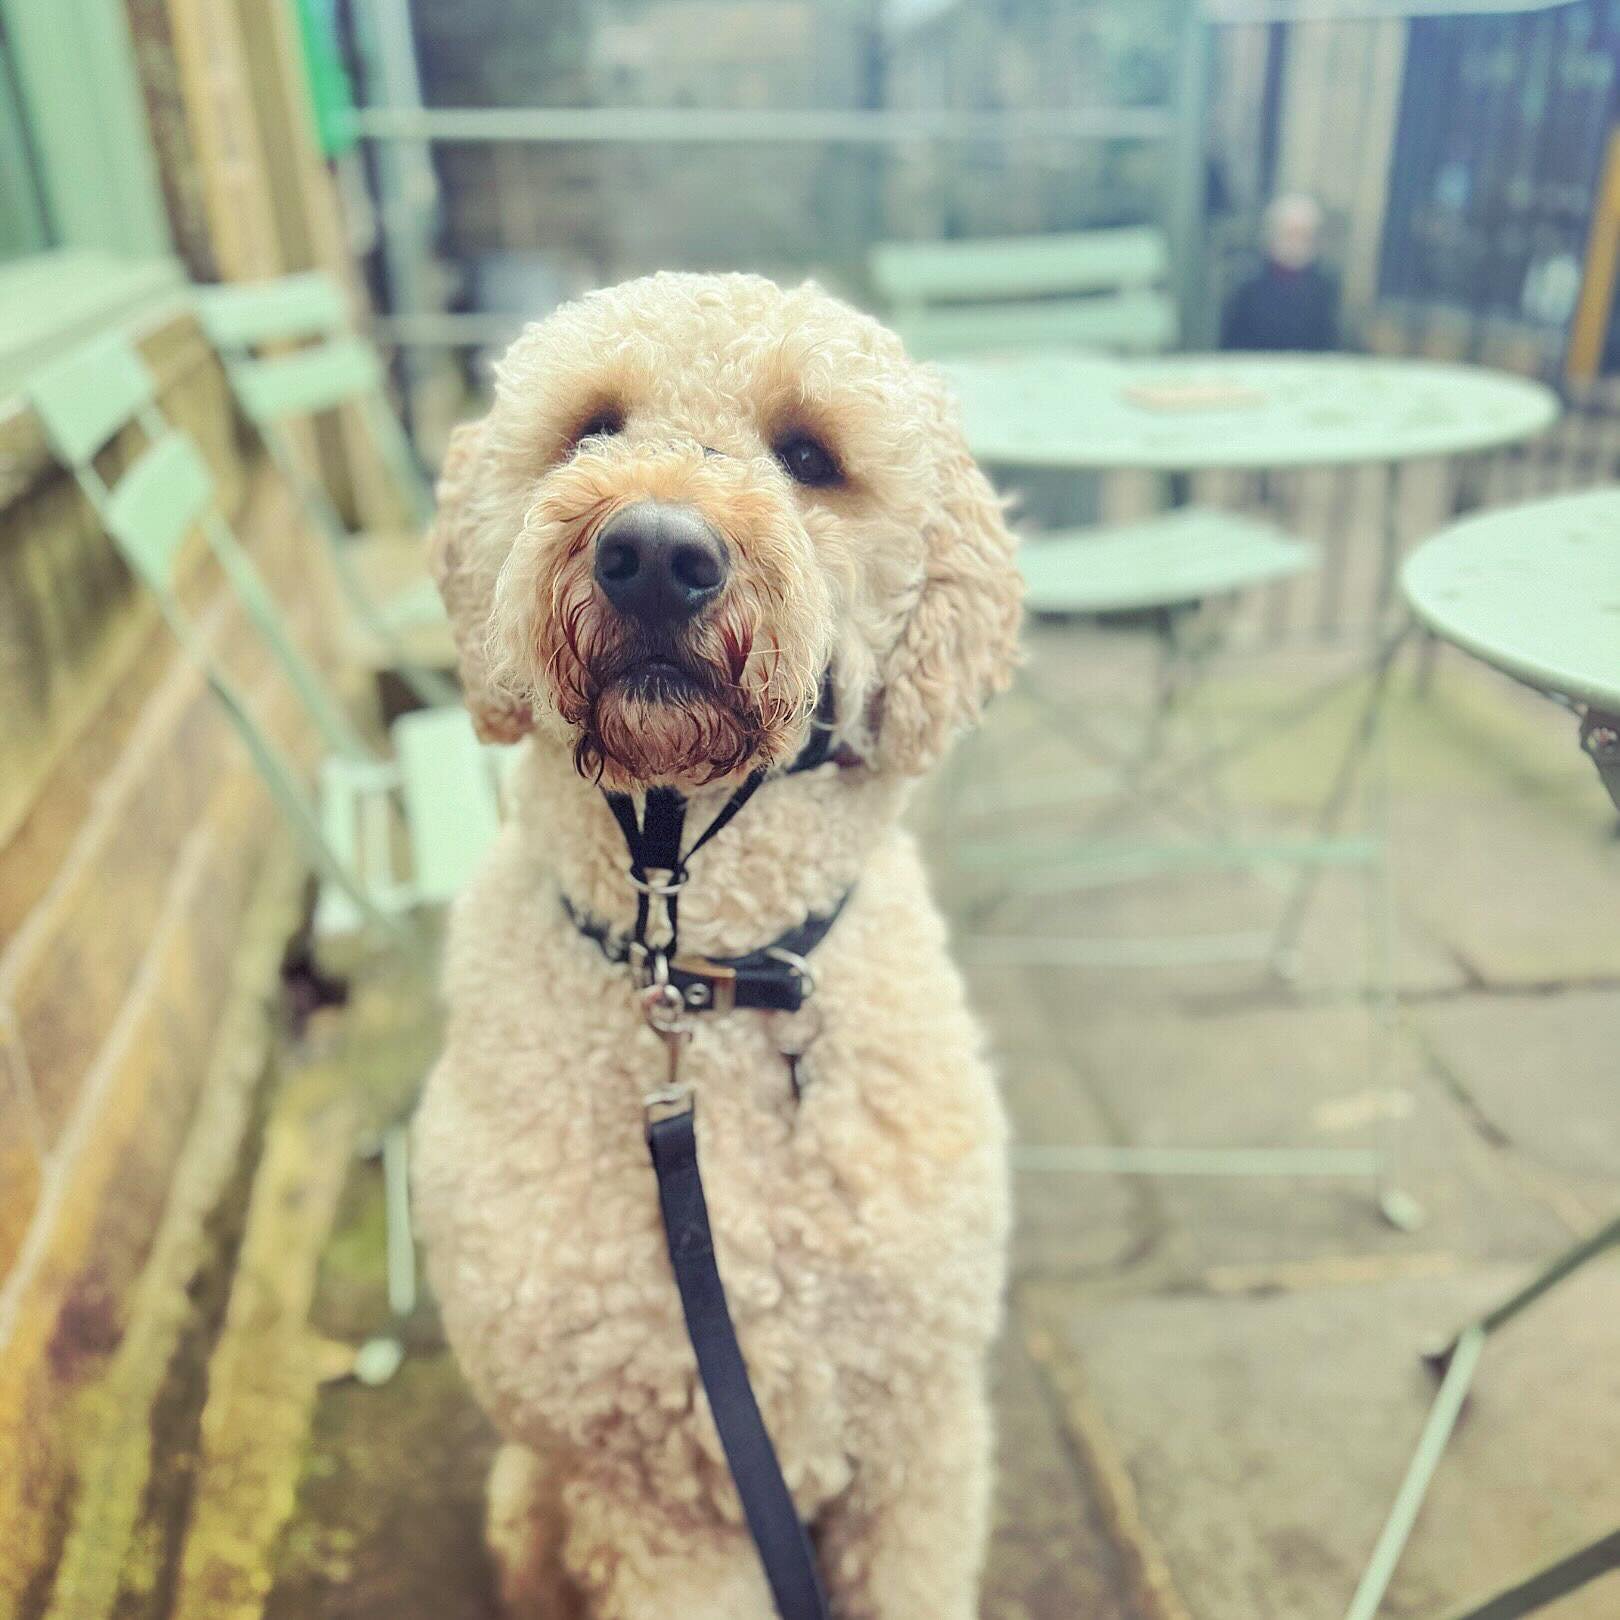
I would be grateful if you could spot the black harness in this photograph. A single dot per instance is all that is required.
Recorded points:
(774, 978)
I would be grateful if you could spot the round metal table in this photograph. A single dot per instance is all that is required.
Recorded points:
(1247, 412)
(1533, 590)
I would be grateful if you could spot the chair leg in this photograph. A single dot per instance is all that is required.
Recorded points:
(1337, 802)
(1556, 1271)
(1431, 1447)
(1457, 1363)
(1547, 1584)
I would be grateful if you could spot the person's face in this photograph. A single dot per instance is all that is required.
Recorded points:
(1294, 239)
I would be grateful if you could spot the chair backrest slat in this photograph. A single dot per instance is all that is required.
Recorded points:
(307, 382)
(912, 273)
(84, 399)
(241, 315)
(155, 505)
(275, 391)
(1136, 322)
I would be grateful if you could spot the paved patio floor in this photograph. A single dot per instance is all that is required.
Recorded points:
(1208, 1386)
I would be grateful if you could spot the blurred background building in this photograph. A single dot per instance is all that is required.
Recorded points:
(1460, 159)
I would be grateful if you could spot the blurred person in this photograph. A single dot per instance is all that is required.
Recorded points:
(1290, 302)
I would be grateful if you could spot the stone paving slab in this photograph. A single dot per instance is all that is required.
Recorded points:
(1543, 1072)
(1539, 1075)
(389, 1524)
(1524, 897)
(1265, 1438)
(1288, 1078)
(1050, 1554)
(1500, 834)
(1063, 1225)
(1334, 952)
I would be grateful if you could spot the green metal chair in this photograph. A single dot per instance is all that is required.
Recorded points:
(440, 785)
(1087, 290)
(291, 355)
(1162, 574)
(1156, 574)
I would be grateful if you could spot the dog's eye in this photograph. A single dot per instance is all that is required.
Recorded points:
(605, 422)
(808, 461)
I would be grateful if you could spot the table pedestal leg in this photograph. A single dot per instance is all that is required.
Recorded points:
(1600, 737)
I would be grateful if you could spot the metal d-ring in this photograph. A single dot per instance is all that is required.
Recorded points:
(663, 1005)
(665, 890)
(807, 979)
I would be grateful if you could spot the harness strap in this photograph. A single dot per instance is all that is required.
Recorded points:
(773, 1521)
(655, 846)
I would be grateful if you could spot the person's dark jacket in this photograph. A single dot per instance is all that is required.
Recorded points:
(1279, 308)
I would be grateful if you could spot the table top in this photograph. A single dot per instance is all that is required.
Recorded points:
(1252, 412)
(1533, 590)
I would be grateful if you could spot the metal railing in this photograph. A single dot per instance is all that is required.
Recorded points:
(681, 125)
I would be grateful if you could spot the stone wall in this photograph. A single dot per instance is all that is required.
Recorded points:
(133, 832)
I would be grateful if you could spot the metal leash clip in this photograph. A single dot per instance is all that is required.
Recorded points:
(706, 986)
(664, 1008)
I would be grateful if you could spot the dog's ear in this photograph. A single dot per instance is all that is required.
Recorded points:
(465, 566)
(959, 645)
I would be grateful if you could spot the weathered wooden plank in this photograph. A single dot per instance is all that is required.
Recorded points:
(22, 1143)
(67, 971)
(225, 138)
(120, 1417)
(64, 1307)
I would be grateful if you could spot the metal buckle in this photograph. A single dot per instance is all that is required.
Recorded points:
(715, 989)
(715, 983)
(669, 1101)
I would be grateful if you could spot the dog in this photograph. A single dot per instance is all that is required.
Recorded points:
(703, 517)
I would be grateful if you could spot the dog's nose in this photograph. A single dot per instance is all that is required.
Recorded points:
(659, 563)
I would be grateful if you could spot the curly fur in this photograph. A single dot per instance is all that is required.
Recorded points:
(861, 1231)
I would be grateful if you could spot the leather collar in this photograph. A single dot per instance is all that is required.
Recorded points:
(774, 978)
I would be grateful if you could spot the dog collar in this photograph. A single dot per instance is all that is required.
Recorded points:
(775, 978)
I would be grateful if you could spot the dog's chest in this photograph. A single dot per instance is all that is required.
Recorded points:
(855, 1229)
(587, 1305)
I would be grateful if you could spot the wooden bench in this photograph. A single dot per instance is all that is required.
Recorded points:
(1090, 290)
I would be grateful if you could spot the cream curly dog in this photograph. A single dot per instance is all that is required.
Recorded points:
(695, 499)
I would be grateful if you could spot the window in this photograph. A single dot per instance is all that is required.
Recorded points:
(1503, 126)
(83, 234)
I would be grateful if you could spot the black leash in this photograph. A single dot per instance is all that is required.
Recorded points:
(774, 978)
(773, 1521)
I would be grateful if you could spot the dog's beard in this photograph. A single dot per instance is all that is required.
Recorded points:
(675, 708)
(648, 727)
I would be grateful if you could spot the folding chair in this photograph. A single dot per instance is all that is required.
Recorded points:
(1162, 574)
(440, 785)
(383, 576)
